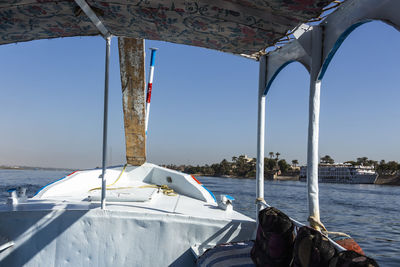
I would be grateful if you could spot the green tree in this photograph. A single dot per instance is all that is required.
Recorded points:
(283, 166)
(242, 166)
(327, 159)
(392, 166)
(295, 162)
(382, 166)
(362, 161)
(269, 164)
(373, 163)
(277, 155)
(271, 155)
(225, 167)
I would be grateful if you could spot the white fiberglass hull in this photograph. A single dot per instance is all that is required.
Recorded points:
(59, 230)
(94, 237)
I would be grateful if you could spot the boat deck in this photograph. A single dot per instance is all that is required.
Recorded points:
(147, 223)
(160, 204)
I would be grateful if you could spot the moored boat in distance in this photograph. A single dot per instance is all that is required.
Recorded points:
(342, 173)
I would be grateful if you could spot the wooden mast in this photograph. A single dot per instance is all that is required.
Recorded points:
(132, 69)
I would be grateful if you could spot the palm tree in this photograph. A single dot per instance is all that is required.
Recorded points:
(277, 155)
(271, 154)
(327, 159)
(362, 161)
(295, 162)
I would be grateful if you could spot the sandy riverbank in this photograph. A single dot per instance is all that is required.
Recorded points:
(287, 178)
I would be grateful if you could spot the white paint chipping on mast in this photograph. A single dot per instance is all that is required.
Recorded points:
(133, 85)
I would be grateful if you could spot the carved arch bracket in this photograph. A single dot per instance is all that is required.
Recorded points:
(335, 29)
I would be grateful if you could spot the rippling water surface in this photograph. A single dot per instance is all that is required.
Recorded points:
(369, 213)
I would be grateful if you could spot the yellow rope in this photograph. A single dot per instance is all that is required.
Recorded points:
(260, 199)
(338, 233)
(117, 188)
(336, 4)
(165, 189)
(120, 175)
(316, 224)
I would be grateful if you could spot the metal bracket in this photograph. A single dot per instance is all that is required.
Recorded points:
(93, 17)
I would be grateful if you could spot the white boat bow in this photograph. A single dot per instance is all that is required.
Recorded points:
(143, 224)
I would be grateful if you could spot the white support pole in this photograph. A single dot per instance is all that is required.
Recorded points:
(261, 135)
(313, 129)
(105, 125)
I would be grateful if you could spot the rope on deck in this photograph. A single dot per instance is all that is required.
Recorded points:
(107, 187)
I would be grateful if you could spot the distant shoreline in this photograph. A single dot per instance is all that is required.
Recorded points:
(22, 168)
(277, 178)
(382, 179)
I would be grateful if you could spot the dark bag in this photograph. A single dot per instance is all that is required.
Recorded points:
(350, 258)
(274, 242)
(312, 249)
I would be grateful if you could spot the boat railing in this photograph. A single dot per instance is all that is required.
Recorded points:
(298, 225)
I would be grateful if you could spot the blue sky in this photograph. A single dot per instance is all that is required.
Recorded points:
(203, 104)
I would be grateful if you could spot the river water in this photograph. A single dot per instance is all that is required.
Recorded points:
(369, 213)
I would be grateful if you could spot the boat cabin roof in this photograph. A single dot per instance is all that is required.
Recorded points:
(234, 26)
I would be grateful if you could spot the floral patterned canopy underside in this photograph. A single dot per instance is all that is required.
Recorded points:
(234, 26)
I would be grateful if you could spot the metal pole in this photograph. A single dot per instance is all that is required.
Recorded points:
(313, 130)
(150, 86)
(105, 125)
(261, 135)
(312, 151)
